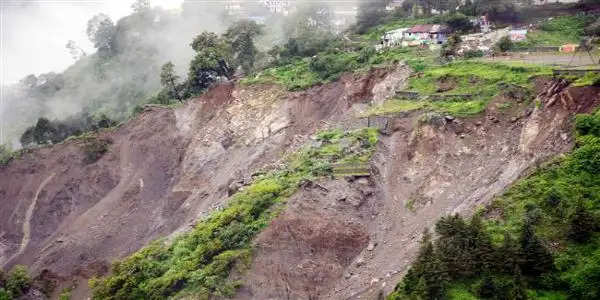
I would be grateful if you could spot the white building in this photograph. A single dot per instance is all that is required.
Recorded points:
(278, 6)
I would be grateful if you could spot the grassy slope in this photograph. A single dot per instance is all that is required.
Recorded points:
(483, 80)
(198, 263)
(298, 74)
(558, 31)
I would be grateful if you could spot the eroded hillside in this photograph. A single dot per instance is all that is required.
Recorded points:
(340, 238)
(162, 172)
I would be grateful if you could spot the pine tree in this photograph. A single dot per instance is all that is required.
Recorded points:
(537, 259)
(508, 256)
(169, 80)
(582, 226)
(241, 37)
(428, 277)
(518, 289)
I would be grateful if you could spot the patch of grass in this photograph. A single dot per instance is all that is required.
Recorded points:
(294, 76)
(546, 295)
(457, 108)
(410, 204)
(477, 77)
(328, 66)
(504, 105)
(396, 106)
(590, 78)
(558, 31)
(480, 79)
(65, 294)
(461, 292)
(197, 264)
(460, 108)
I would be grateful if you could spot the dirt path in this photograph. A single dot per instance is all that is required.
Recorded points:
(28, 215)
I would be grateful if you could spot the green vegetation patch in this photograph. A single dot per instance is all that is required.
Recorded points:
(540, 240)
(473, 83)
(558, 31)
(328, 66)
(590, 78)
(455, 107)
(472, 77)
(14, 284)
(394, 106)
(294, 76)
(198, 263)
(6, 155)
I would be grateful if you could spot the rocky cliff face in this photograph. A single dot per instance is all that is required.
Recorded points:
(337, 239)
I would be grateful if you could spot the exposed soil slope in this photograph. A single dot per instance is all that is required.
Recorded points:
(164, 170)
(422, 171)
(337, 239)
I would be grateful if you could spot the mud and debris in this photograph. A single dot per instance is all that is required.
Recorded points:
(341, 238)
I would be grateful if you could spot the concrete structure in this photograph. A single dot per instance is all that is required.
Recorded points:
(392, 38)
(428, 34)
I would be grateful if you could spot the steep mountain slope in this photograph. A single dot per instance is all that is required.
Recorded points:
(422, 171)
(336, 238)
(163, 171)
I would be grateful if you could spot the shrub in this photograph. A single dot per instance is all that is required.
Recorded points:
(449, 49)
(473, 54)
(582, 225)
(94, 148)
(5, 295)
(331, 65)
(18, 281)
(593, 29)
(459, 22)
(588, 124)
(504, 44)
(590, 78)
(6, 155)
(365, 54)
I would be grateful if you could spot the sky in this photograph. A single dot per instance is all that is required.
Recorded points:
(34, 32)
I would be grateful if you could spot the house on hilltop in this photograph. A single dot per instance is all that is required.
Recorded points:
(428, 33)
